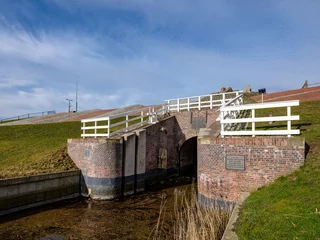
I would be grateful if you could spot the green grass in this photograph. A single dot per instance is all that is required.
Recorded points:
(32, 149)
(290, 207)
(41, 148)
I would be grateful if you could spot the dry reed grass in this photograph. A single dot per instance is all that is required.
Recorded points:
(190, 220)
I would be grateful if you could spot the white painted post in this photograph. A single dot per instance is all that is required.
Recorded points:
(84, 131)
(199, 99)
(142, 116)
(95, 129)
(178, 105)
(168, 102)
(222, 125)
(253, 122)
(127, 123)
(109, 127)
(262, 98)
(188, 104)
(210, 101)
(289, 122)
(223, 99)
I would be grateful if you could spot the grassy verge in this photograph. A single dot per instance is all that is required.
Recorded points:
(190, 220)
(290, 207)
(32, 149)
(42, 148)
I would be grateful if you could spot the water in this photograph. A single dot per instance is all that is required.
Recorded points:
(130, 218)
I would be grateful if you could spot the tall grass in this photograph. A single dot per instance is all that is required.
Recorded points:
(190, 220)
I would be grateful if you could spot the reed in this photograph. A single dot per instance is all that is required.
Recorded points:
(190, 220)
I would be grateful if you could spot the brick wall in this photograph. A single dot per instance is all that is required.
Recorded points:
(100, 161)
(163, 141)
(185, 118)
(266, 159)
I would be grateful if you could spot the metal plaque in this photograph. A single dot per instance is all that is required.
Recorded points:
(235, 162)
(86, 154)
(198, 123)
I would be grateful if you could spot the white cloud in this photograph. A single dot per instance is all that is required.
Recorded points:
(39, 73)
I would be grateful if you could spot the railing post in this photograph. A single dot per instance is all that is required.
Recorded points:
(223, 99)
(289, 121)
(222, 125)
(127, 123)
(199, 99)
(188, 104)
(178, 105)
(141, 116)
(95, 129)
(83, 131)
(210, 101)
(253, 123)
(109, 127)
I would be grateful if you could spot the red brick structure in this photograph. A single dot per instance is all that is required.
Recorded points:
(225, 166)
(264, 158)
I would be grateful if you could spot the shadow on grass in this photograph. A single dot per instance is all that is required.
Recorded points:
(306, 150)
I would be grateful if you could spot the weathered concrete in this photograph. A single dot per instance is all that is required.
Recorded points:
(229, 234)
(22, 193)
(141, 160)
(129, 163)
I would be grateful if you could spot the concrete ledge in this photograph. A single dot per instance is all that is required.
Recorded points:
(36, 178)
(22, 193)
(228, 233)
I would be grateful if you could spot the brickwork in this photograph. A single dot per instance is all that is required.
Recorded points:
(163, 141)
(101, 158)
(266, 159)
(185, 118)
(101, 164)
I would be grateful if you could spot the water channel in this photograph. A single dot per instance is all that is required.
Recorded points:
(129, 218)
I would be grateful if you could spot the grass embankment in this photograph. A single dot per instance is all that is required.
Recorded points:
(42, 148)
(32, 149)
(290, 207)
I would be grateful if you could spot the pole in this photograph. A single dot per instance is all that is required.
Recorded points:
(69, 106)
(77, 96)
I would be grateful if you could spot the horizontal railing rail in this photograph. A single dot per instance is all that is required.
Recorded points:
(202, 101)
(112, 125)
(229, 114)
(28, 115)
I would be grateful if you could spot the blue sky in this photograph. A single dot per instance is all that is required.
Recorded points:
(125, 52)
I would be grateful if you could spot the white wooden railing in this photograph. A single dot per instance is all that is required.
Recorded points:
(229, 113)
(203, 101)
(102, 127)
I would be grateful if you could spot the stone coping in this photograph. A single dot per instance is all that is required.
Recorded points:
(36, 178)
(229, 234)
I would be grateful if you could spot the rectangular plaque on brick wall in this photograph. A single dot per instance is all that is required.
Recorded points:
(235, 162)
(198, 123)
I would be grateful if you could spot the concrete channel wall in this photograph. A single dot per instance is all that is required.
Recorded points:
(26, 192)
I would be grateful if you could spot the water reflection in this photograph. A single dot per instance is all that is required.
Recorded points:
(129, 218)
